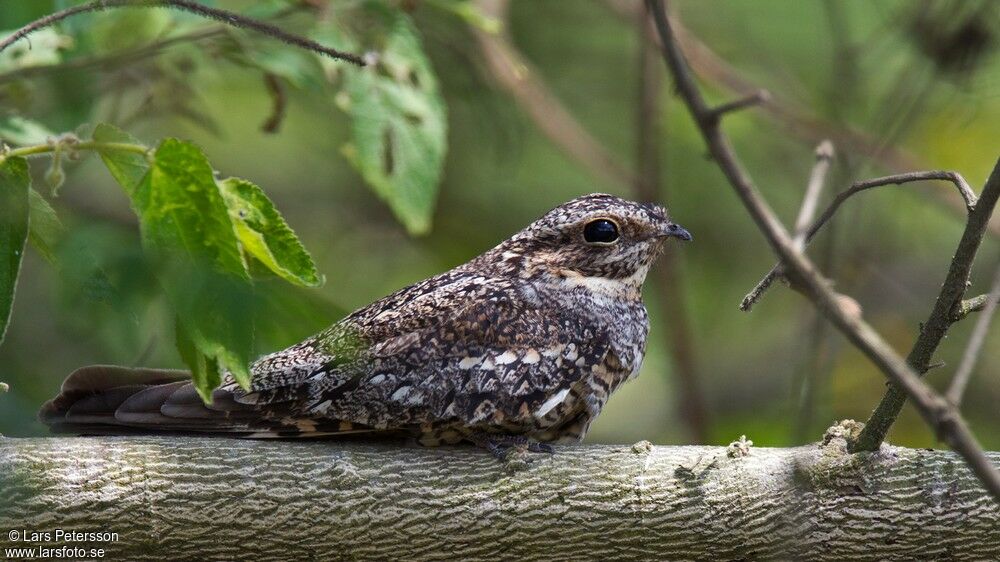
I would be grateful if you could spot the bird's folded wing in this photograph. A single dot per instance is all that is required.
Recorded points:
(473, 352)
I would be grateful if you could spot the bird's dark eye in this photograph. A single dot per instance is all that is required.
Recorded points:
(600, 231)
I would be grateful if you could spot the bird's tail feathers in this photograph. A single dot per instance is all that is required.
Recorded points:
(114, 400)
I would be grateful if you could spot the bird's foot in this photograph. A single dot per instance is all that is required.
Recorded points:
(499, 444)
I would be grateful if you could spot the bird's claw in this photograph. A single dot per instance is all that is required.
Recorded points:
(500, 445)
(536, 447)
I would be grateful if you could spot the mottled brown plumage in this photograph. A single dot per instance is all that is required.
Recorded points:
(526, 341)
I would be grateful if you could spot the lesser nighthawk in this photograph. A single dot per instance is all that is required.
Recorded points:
(522, 345)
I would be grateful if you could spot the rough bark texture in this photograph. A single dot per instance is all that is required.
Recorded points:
(219, 499)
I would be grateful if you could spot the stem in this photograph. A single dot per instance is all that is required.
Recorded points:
(83, 145)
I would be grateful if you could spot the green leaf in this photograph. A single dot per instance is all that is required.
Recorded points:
(204, 370)
(185, 226)
(46, 229)
(14, 185)
(181, 209)
(265, 235)
(128, 168)
(216, 312)
(398, 124)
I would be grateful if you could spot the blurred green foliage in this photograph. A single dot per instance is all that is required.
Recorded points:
(365, 158)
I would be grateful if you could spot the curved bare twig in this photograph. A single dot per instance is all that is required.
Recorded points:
(897, 179)
(224, 16)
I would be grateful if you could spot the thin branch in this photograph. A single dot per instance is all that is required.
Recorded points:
(972, 351)
(759, 289)
(898, 179)
(757, 98)
(37, 149)
(954, 177)
(938, 412)
(225, 16)
(936, 327)
(968, 306)
(816, 361)
(819, 354)
(817, 180)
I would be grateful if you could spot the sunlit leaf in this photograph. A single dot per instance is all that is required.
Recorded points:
(181, 209)
(398, 123)
(265, 235)
(128, 168)
(45, 228)
(14, 185)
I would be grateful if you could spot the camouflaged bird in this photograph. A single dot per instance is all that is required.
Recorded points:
(523, 345)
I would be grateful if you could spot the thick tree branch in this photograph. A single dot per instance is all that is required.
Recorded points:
(940, 414)
(216, 499)
(225, 16)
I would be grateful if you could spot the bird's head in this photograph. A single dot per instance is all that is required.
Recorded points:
(596, 237)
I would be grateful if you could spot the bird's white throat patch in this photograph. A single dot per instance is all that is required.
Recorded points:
(604, 285)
